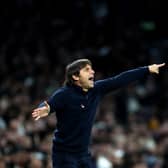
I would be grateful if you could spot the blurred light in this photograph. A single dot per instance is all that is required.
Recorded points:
(148, 25)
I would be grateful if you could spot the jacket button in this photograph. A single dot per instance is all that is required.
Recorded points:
(82, 106)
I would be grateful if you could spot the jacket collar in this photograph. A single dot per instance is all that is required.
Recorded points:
(79, 89)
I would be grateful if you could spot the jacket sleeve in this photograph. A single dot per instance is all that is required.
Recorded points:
(121, 80)
(55, 101)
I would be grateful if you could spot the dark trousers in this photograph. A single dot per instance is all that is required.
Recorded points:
(71, 160)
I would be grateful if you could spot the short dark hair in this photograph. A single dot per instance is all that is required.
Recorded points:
(74, 69)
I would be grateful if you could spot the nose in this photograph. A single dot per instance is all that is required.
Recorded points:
(93, 72)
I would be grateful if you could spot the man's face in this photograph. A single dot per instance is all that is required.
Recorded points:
(85, 78)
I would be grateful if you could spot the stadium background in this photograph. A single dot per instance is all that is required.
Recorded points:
(37, 40)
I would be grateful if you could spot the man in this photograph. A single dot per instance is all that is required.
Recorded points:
(75, 106)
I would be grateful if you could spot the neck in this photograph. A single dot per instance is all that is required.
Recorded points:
(84, 89)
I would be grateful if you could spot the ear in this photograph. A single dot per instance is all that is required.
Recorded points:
(75, 78)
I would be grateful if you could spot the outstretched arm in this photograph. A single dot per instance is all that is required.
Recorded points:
(41, 111)
(125, 78)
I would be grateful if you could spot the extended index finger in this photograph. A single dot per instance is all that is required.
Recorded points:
(160, 65)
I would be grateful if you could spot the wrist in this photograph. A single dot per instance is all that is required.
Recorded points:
(48, 109)
(150, 68)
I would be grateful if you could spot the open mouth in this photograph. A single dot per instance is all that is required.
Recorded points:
(91, 79)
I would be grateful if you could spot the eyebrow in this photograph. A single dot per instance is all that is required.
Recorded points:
(87, 67)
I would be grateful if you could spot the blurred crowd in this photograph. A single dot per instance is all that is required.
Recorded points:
(39, 39)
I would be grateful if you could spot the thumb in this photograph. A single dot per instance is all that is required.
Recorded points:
(46, 104)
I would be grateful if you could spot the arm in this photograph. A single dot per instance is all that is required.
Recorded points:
(125, 78)
(54, 103)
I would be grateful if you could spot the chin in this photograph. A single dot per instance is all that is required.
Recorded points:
(91, 86)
